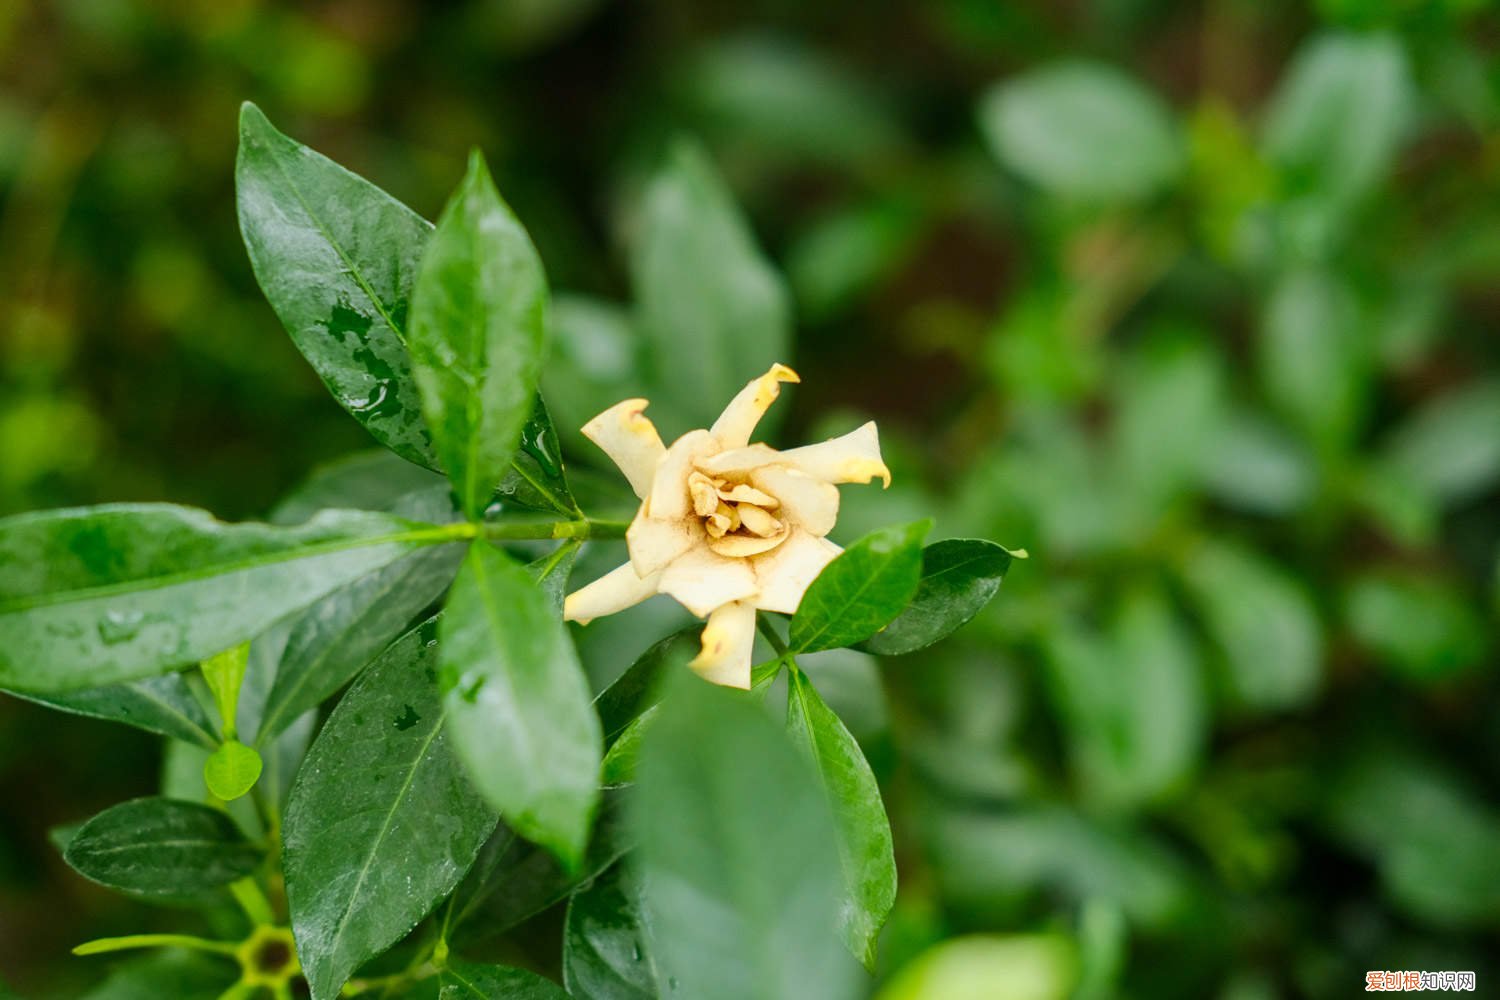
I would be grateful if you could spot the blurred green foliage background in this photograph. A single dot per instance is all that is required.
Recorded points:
(1197, 301)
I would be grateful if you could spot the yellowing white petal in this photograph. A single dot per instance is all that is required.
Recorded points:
(653, 544)
(616, 590)
(670, 497)
(853, 458)
(785, 573)
(737, 422)
(629, 438)
(701, 580)
(807, 503)
(728, 646)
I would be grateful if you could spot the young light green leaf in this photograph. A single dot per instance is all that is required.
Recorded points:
(519, 704)
(605, 951)
(1314, 355)
(861, 591)
(1263, 621)
(232, 770)
(712, 310)
(866, 853)
(1417, 623)
(1449, 448)
(478, 336)
(382, 822)
(737, 854)
(337, 258)
(165, 705)
(959, 577)
(1050, 125)
(224, 673)
(99, 595)
(1338, 118)
(162, 848)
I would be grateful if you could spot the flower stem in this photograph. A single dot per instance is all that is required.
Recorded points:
(518, 530)
(769, 631)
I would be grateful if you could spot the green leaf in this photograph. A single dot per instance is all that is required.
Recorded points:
(1435, 840)
(1449, 448)
(1263, 622)
(162, 848)
(232, 770)
(624, 753)
(514, 879)
(535, 479)
(519, 703)
(334, 639)
(993, 966)
(736, 849)
(366, 480)
(471, 981)
(638, 688)
(337, 258)
(862, 590)
(478, 336)
(1083, 131)
(224, 673)
(165, 705)
(1314, 356)
(1132, 701)
(382, 822)
(99, 595)
(593, 362)
(1336, 121)
(176, 974)
(1417, 623)
(866, 854)
(959, 577)
(605, 951)
(713, 311)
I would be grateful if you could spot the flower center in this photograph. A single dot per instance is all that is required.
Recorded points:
(740, 519)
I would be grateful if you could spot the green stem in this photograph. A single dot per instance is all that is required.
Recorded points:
(104, 945)
(253, 901)
(769, 631)
(519, 530)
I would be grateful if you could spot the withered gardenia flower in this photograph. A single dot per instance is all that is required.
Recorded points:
(726, 527)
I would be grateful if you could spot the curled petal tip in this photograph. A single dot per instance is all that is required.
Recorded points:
(782, 373)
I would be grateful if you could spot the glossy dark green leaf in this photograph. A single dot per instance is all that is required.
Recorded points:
(520, 707)
(866, 853)
(605, 951)
(472, 981)
(478, 336)
(712, 310)
(1050, 125)
(1263, 621)
(161, 847)
(514, 879)
(99, 595)
(959, 577)
(636, 690)
(382, 822)
(535, 479)
(334, 639)
(164, 705)
(337, 259)
(861, 591)
(737, 854)
(175, 974)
